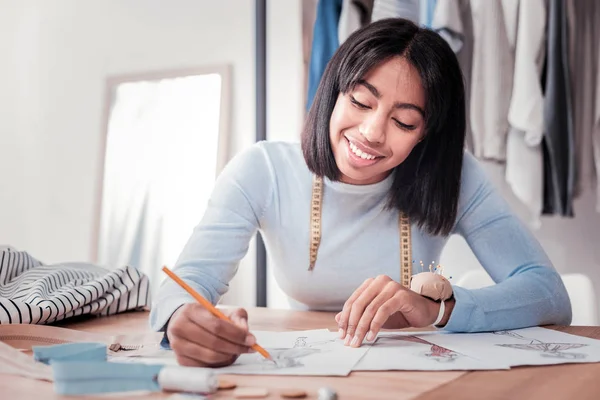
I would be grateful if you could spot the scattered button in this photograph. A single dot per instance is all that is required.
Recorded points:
(226, 385)
(293, 394)
(250, 393)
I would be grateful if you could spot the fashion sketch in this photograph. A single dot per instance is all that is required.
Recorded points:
(292, 357)
(435, 352)
(556, 350)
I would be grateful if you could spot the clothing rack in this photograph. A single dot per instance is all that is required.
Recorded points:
(261, 132)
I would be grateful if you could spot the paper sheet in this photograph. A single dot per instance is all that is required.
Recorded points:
(528, 346)
(315, 352)
(405, 351)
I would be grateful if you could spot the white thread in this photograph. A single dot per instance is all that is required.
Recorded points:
(441, 313)
(188, 379)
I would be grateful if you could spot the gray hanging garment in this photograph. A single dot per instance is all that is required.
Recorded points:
(559, 159)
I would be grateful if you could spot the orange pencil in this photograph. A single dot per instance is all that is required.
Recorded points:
(209, 306)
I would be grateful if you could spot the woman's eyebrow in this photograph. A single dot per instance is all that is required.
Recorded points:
(375, 92)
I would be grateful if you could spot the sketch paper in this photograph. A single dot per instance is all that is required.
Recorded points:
(313, 352)
(405, 351)
(299, 353)
(528, 346)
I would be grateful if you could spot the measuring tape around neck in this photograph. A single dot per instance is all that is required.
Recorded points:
(315, 234)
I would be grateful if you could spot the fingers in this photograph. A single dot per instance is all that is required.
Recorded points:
(388, 310)
(366, 300)
(345, 314)
(221, 329)
(363, 327)
(190, 354)
(188, 331)
(240, 318)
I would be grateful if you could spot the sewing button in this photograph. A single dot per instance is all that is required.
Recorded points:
(293, 394)
(326, 393)
(226, 385)
(250, 393)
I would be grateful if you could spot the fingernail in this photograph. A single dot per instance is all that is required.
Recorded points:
(250, 340)
(354, 341)
(347, 340)
(341, 333)
(370, 336)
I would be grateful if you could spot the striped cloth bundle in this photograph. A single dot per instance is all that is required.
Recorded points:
(34, 293)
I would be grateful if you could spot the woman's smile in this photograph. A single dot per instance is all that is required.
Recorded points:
(358, 156)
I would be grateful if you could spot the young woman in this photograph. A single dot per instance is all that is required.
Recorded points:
(382, 156)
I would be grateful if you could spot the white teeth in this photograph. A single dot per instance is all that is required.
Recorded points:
(360, 153)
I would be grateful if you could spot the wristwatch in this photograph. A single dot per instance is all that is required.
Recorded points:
(440, 314)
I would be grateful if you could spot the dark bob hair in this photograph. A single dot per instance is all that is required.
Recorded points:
(427, 184)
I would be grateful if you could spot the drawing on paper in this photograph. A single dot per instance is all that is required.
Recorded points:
(441, 354)
(435, 352)
(555, 350)
(292, 357)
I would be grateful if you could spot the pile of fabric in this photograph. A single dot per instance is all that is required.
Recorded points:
(34, 293)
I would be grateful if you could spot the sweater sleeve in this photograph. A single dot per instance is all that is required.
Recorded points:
(528, 290)
(209, 260)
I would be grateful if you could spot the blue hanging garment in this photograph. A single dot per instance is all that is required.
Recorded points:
(426, 11)
(325, 43)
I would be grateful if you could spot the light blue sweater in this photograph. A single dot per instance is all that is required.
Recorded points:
(269, 186)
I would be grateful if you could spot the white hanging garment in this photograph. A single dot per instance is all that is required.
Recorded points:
(408, 9)
(491, 79)
(524, 157)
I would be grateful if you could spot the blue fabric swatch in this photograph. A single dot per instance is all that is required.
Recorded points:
(70, 351)
(87, 377)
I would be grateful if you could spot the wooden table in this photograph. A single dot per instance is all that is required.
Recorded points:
(573, 381)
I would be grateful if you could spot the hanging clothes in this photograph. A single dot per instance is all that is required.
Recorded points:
(309, 15)
(325, 43)
(354, 15)
(584, 62)
(559, 151)
(408, 9)
(524, 156)
(453, 21)
(491, 80)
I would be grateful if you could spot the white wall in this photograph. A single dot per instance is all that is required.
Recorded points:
(56, 56)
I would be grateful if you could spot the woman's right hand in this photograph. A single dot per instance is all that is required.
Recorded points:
(199, 339)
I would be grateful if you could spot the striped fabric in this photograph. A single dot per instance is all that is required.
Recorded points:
(34, 293)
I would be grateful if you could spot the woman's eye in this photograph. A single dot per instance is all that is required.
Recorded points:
(404, 126)
(358, 104)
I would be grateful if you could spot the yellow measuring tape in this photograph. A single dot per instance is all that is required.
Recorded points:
(315, 234)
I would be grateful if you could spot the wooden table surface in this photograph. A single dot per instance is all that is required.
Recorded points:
(568, 381)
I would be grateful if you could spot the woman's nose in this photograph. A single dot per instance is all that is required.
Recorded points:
(373, 129)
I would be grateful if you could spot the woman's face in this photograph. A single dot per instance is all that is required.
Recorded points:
(374, 126)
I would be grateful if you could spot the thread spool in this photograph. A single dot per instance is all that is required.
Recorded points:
(188, 379)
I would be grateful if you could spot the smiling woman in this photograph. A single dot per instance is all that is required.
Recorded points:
(381, 178)
(362, 118)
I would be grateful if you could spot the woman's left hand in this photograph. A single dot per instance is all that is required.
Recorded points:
(383, 302)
